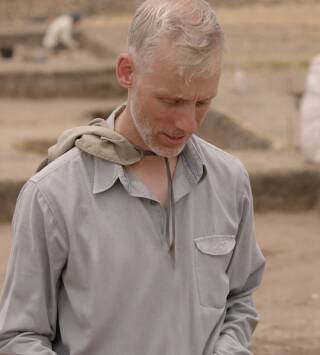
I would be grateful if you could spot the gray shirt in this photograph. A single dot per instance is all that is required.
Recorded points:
(91, 273)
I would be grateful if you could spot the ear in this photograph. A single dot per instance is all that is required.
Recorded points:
(124, 70)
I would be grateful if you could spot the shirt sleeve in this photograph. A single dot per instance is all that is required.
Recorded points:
(245, 273)
(28, 304)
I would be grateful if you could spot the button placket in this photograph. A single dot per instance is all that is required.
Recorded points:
(158, 214)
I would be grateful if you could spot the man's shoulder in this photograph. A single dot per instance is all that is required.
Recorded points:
(66, 163)
(217, 159)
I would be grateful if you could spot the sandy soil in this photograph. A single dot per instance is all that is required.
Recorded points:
(289, 299)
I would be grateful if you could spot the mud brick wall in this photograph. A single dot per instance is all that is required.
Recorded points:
(88, 82)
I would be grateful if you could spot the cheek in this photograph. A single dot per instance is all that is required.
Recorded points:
(154, 113)
(164, 114)
(168, 117)
(201, 114)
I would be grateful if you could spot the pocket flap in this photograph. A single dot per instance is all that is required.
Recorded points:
(215, 244)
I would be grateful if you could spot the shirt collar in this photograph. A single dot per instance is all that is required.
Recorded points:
(193, 161)
(107, 173)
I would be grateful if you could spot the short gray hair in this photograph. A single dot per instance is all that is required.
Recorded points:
(191, 25)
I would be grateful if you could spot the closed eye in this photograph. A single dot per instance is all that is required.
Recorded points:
(204, 103)
(172, 102)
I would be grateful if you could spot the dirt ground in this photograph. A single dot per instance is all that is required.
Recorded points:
(272, 46)
(289, 299)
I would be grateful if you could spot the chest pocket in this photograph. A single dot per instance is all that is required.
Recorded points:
(212, 256)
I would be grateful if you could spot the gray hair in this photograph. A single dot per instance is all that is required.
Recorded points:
(191, 25)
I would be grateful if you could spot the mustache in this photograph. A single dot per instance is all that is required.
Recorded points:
(174, 134)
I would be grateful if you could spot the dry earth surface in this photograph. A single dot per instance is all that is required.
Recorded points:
(289, 299)
(272, 46)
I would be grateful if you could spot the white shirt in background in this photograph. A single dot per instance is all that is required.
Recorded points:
(310, 114)
(60, 33)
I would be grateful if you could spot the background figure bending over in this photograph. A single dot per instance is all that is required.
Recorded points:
(310, 114)
(60, 33)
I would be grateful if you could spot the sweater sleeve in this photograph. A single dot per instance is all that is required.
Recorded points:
(245, 273)
(28, 304)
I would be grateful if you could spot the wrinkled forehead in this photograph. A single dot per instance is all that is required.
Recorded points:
(173, 60)
(165, 78)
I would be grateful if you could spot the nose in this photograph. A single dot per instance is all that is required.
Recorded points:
(186, 119)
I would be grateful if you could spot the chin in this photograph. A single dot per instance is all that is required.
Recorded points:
(166, 152)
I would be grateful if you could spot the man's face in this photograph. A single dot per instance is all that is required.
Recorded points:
(166, 109)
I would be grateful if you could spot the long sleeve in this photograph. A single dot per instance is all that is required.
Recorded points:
(245, 274)
(28, 305)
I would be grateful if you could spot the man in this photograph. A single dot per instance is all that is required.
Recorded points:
(139, 240)
(309, 135)
(59, 34)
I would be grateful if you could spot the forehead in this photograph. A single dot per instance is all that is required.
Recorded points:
(165, 71)
(165, 77)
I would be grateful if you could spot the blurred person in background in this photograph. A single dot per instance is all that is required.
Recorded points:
(310, 114)
(136, 236)
(60, 33)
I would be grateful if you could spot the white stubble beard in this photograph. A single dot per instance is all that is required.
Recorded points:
(142, 125)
